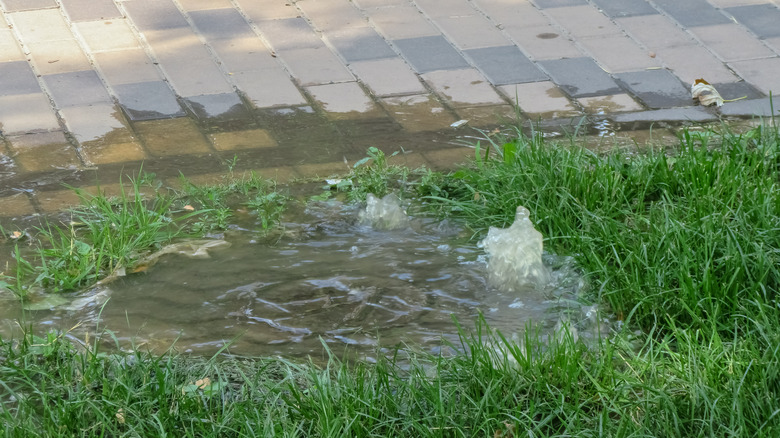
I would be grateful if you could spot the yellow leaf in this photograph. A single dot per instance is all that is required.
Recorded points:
(202, 383)
(189, 208)
(16, 235)
(120, 416)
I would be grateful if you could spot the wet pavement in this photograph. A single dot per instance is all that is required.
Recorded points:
(90, 89)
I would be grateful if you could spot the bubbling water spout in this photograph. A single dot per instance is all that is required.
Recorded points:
(385, 213)
(515, 255)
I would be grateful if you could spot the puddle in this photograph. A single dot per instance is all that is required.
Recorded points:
(331, 278)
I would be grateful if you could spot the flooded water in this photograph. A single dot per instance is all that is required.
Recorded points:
(330, 277)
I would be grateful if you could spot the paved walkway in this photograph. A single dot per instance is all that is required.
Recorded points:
(293, 87)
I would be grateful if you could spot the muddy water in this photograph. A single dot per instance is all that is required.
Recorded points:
(329, 279)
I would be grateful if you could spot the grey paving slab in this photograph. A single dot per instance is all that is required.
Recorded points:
(431, 53)
(738, 90)
(692, 12)
(89, 10)
(17, 78)
(218, 24)
(148, 100)
(505, 65)
(360, 44)
(580, 77)
(763, 20)
(76, 88)
(559, 3)
(154, 14)
(26, 5)
(656, 88)
(753, 107)
(686, 114)
(224, 106)
(625, 8)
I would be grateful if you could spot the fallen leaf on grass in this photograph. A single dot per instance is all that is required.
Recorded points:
(120, 416)
(706, 93)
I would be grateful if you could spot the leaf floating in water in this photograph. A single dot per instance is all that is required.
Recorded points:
(706, 93)
(459, 123)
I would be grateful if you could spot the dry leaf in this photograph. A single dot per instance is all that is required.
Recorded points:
(16, 235)
(189, 208)
(202, 383)
(706, 93)
(120, 416)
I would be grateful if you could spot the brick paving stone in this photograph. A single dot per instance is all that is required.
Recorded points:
(427, 54)
(244, 54)
(540, 99)
(655, 31)
(329, 68)
(88, 123)
(329, 15)
(9, 48)
(268, 10)
(76, 88)
(42, 151)
(656, 88)
(615, 103)
(52, 57)
(692, 62)
(268, 88)
(618, 53)
(225, 106)
(359, 44)
(26, 112)
(463, 88)
(154, 14)
(420, 112)
(218, 24)
(289, 34)
(148, 100)
(692, 13)
(343, 98)
(105, 35)
(763, 20)
(761, 73)
(16, 205)
(387, 77)
(471, 32)
(505, 65)
(583, 21)
(242, 140)
(17, 78)
(88, 10)
(402, 22)
(625, 8)
(580, 77)
(731, 42)
(24, 5)
(41, 25)
(558, 3)
(167, 137)
(543, 42)
(126, 67)
(199, 5)
(754, 107)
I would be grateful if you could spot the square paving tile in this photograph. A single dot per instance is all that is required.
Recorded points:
(16, 205)
(102, 35)
(543, 42)
(427, 54)
(180, 136)
(763, 20)
(584, 21)
(40, 25)
(289, 34)
(76, 88)
(25, 5)
(761, 73)
(695, 61)
(244, 139)
(619, 53)
(44, 151)
(656, 88)
(463, 88)
(223, 106)
(360, 44)
(330, 69)
(52, 57)
(88, 123)
(216, 24)
(346, 98)
(21, 113)
(505, 65)
(471, 31)
(9, 48)
(615, 103)
(559, 3)
(401, 22)
(86, 10)
(625, 8)
(17, 78)
(540, 99)
(154, 14)
(419, 112)
(243, 54)
(693, 12)
(126, 67)
(386, 77)
(580, 77)
(268, 88)
(738, 90)
(148, 100)
(731, 42)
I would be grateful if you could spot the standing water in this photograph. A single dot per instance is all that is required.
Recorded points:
(365, 277)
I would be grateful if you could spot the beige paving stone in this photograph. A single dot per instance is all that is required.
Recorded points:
(410, 159)
(329, 67)
(445, 8)
(26, 112)
(268, 88)
(732, 3)
(239, 140)
(731, 42)
(615, 103)
(244, 54)
(167, 137)
(52, 201)
(345, 100)
(471, 32)
(692, 62)
(199, 5)
(322, 170)
(387, 77)
(331, 14)
(762, 73)
(619, 53)
(366, 4)
(40, 25)
(16, 206)
(269, 9)
(44, 151)
(280, 174)
(488, 116)
(583, 21)
(463, 88)
(103, 35)
(401, 22)
(93, 122)
(540, 100)
(63, 56)
(9, 47)
(419, 112)
(449, 158)
(519, 13)
(543, 42)
(655, 32)
(106, 151)
(774, 43)
(126, 67)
